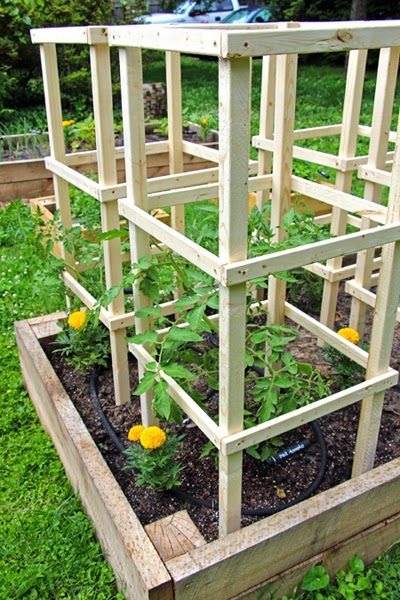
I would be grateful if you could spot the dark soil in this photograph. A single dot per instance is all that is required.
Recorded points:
(263, 486)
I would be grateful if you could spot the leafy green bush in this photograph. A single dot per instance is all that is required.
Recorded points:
(19, 59)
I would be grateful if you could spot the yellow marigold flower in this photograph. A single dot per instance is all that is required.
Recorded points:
(135, 432)
(350, 334)
(77, 319)
(204, 122)
(152, 437)
(68, 122)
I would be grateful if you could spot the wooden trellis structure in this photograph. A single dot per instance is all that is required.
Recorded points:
(107, 190)
(231, 180)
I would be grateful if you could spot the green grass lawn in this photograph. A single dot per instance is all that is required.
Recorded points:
(48, 549)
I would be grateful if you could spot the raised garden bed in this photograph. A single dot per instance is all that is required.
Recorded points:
(359, 516)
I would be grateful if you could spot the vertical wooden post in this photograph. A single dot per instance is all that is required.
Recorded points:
(52, 97)
(234, 80)
(385, 312)
(383, 106)
(107, 173)
(174, 104)
(348, 144)
(285, 106)
(136, 183)
(267, 105)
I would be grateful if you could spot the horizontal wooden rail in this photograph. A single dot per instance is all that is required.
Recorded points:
(240, 41)
(80, 181)
(306, 414)
(355, 289)
(292, 258)
(348, 202)
(374, 175)
(173, 239)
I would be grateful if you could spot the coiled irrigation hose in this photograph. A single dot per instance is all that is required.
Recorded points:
(273, 460)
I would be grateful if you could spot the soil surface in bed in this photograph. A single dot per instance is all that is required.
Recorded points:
(263, 486)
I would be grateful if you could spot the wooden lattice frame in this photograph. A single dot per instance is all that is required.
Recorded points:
(107, 191)
(231, 269)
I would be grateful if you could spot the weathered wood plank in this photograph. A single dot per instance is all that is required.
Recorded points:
(140, 572)
(230, 566)
(174, 535)
(369, 544)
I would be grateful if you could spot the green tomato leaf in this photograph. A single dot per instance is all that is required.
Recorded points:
(147, 337)
(213, 301)
(183, 335)
(178, 372)
(162, 401)
(252, 451)
(186, 301)
(146, 383)
(195, 318)
(283, 382)
(148, 311)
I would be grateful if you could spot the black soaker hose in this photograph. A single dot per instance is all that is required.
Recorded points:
(104, 420)
(213, 504)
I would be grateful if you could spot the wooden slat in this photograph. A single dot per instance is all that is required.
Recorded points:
(307, 414)
(317, 132)
(342, 200)
(73, 177)
(387, 300)
(267, 108)
(233, 42)
(285, 106)
(379, 176)
(234, 123)
(308, 253)
(174, 102)
(381, 120)
(51, 86)
(369, 298)
(173, 239)
(135, 163)
(55, 35)
(347, 149)
(205, 152)
(107, 170)
(320, 330)
(311, 38)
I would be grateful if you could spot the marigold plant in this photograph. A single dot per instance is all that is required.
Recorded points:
(84, 341)
(349, 334)
(154, 458)
(77, 319)
(135, 432)
(152, 437)
(347, 372)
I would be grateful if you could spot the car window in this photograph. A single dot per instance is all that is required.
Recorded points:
(263, 16)
(215, 6)
(239, 16)
(182, 7)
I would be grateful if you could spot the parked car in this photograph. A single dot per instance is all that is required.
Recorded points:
(192, 11)
(247, 14)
